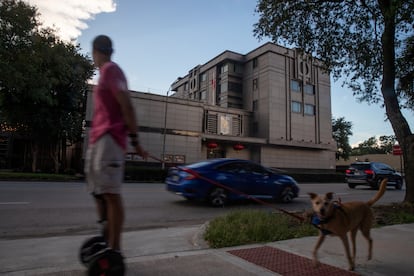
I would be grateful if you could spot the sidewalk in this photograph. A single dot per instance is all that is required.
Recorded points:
(181, 251)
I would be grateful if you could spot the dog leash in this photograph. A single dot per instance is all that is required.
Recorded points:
(196, 174)
(218, 184)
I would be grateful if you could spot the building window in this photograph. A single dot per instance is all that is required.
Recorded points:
(224, 87)
(255, 105)
(309, 89)
(255, 84)
(193, 84)
(203, 77)
(238, 68)
(295, 85)
(211, 123)
(236, 125)
(255, 62)
(309, 109)
(203, 95)
(224, 68)
(296, 107)
(186, 86)
(235, 87)
(225, 125)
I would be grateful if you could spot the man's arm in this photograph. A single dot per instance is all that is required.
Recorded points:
(128, 113)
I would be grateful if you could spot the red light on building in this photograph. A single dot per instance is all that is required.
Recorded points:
(212, 145)
(238, 147)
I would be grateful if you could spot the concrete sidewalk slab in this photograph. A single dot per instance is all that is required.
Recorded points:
(180, 251)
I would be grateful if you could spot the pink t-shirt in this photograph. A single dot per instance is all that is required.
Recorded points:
(107, 114)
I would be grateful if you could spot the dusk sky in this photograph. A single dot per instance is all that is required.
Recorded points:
(156, 41)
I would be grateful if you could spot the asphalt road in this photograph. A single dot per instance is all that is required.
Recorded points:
(36, 209)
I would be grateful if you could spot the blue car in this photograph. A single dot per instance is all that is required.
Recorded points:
(221, 180)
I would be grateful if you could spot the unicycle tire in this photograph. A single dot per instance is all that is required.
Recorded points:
(90, 247)
(109, 263)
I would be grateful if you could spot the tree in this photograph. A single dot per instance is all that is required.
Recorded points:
(405, 73)
(341, 130)
(369, 146)
(362, 40)
(42, 81)
(383, 145)
(386, 143)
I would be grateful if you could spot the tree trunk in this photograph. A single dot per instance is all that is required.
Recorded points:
(398, 122)
(35, 152)
(408, 155)
(54, 154)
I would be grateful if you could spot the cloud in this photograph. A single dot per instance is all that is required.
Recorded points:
(70, 17)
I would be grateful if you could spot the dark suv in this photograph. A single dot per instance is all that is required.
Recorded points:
(372, 173)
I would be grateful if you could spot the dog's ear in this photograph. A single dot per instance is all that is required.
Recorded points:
(312, 195)
(329, 196)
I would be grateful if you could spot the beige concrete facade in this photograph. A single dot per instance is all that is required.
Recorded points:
(273, 101)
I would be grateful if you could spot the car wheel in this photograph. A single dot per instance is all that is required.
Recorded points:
(398, 184)
(350, 185)
(286, 195)
(217, 197)
(376, 184)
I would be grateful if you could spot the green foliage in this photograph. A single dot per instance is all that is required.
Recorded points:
(254, 226)
(394, 214)
(345, 35)
(341, 130)
(405, 73)
(43, 80)
(383, 145)
(36, 176)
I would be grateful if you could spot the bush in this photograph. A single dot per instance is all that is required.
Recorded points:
(258, 226)
(147, 174)
(254, 226)
(36, 176)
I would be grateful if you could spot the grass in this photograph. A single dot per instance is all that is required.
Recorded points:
(393, 214)
(256, 226)
(36, 176)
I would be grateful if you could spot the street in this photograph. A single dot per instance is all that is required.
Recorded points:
(38, 209)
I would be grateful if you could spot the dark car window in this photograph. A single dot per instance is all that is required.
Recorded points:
(258, 170)
(243, 168)
(383, 166)
(232, 167)
(360, 167)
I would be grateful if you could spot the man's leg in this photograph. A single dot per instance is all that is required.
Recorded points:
(101, 209)
(115, 216)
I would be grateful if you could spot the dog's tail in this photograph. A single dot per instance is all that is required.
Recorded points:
(380, 192)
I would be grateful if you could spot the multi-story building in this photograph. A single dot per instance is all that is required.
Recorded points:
(287, 95)
(271, 105)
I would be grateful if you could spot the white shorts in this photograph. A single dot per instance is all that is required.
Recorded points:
(104, 166)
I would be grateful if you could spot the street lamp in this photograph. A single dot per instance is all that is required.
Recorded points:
(165, 130)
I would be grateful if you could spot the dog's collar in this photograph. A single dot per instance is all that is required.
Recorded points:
(318, 222)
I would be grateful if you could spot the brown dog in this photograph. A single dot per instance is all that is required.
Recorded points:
(335, 218)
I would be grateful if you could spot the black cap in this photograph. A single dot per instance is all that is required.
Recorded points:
(103, 44)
